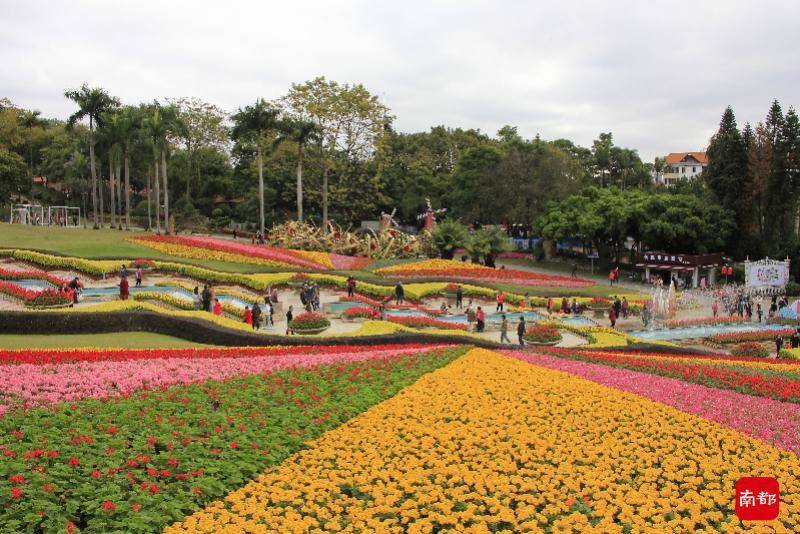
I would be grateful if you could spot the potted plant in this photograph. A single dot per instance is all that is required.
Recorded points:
(309, 323)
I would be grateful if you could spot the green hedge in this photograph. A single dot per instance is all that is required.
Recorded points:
(197, 330)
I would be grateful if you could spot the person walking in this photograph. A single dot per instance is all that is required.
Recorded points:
(256, 316)
(268, 311)
(289, 317)
(778, 346)
(504, 330)
(617, 307)
(138, 276)
(574, 270)
(123, 272)
(205, 297)
(612, 317)
(521, 331)
(715, 308)
(124, 288)
(351, 286)
(471, 317)
(248, 315)
(759, 312)
(794, 340)
(624, 307)
(500, 301)
(611, 278)
(459, 297)
(480, 318)
(549, 305)
(196, 298)
(399, 293)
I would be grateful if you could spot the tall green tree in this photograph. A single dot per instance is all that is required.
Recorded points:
(251, 125)
(302, 132)
(93, 103)
(726, 173)
(31, 119)
(349, 118)
(14, 179)
(204, 127)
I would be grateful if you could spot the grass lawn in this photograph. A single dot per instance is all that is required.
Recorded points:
(126, 340)
(102, 243)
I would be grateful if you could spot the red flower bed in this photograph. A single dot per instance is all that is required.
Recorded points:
(31, 297)
(750, 349)
(51, 356)
(425, 322)
(363, 312)
(6, 274)
(755, 335)
(511, 276)
(680, 323)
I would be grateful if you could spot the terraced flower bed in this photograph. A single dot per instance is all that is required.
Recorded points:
(450, 269)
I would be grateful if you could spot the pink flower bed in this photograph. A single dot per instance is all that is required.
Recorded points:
(772, 421)
(52, 383)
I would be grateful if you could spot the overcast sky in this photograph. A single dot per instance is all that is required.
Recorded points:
(657, 74)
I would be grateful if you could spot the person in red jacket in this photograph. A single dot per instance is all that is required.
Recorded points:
(217, 307)
(480, 317)
(612, 317)
(500, 301)
(124, 288)
(248, 315)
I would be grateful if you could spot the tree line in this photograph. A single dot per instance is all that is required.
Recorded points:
(322, 151)
(329, 151)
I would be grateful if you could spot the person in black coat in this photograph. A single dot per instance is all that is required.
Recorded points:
(521, 331)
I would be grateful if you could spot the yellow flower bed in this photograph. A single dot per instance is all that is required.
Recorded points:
(322, 258)
(568, 453)
(91, 267)
(432, 265)
(184, 251)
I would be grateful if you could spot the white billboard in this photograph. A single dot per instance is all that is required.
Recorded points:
(767, 274)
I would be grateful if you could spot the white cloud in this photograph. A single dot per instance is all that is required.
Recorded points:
(657, 74)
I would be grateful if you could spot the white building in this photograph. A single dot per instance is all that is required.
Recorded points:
(682, 165)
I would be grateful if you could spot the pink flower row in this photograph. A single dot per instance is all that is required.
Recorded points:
(772, 421)
(52, 383)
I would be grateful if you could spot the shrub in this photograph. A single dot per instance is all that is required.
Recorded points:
(447, 236)
(541, 334)
(750, 350)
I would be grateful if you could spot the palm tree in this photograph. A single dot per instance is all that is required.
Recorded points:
(301, 132)
(250, 125)
(155, 130)
(30, 120)
(92, 102)
(130, 127)
(112, 137)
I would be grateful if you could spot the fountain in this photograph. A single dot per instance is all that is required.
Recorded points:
(662, 305)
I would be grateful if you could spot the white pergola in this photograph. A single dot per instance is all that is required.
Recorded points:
(67, 216)
(27, 214)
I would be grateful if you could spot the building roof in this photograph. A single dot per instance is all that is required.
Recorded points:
(686, 157)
